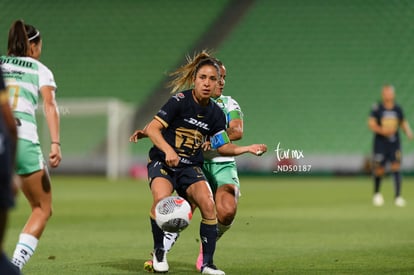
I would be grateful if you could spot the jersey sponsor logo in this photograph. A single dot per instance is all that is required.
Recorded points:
(178, 96)
(17, 62)
(197, 123)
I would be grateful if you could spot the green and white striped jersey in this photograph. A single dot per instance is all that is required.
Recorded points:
(232, 111)
(24, 76)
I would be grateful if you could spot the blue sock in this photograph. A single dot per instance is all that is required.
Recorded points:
(208, 235)
(397, 183)
(157, 235)
(377, 184)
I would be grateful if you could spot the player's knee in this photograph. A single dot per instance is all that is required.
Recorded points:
(227, 217)
(44, 213)
(226, 211)
(379, 171)
(207, 209)
(395, 167)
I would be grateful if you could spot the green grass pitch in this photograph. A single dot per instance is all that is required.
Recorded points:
(285, 225)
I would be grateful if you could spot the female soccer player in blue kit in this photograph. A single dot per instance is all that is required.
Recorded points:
(178, 132)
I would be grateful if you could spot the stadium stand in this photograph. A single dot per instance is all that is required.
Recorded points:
(305, 72)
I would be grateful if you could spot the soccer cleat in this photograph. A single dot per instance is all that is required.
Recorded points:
(169, 240)
(159, 261)
(400, 202)
(199, 262)
(212, 270)
(378, 200)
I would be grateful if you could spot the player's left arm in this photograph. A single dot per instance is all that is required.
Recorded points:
(51, 111)
(405, 126)
(222, 142)
(231, 149)
(139, 134)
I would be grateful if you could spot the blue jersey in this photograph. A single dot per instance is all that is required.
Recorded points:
(388, 118)
(6, 165)
(187, 125)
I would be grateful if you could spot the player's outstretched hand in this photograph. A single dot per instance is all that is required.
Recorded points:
(258, 149)
(138, 134)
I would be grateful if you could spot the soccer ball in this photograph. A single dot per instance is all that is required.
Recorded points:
(173, 214)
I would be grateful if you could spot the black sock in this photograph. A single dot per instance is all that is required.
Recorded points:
(377, 184)
(208, 235)
(157, 235)
(397, 183)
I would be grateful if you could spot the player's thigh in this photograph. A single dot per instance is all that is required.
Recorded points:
(37, 188)
(160, 188)
(161, 180)
(395, 159)
(379, 159)
(199, 194)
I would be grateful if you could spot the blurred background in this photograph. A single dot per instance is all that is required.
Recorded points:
(305, 73)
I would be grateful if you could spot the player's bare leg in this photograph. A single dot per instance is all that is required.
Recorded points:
(37, 189)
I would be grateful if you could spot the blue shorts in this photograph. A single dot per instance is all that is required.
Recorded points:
(386, 152)
(180, 178)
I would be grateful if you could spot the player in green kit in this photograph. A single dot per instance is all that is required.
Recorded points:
(221, 172)
(27, 82)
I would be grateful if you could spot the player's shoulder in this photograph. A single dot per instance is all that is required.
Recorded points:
(398, 107)
(40, 64)
(227, 100)
(375, 107)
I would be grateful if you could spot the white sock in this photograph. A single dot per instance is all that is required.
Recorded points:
(169, 240)
(24, 250)
(222, 229)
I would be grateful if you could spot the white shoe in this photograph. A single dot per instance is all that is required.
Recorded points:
(212, 270)
(159, 260)
(400, 202)
(378, 200)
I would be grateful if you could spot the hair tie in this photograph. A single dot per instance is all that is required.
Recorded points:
(34, 36)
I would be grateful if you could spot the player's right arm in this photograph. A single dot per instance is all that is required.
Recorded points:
(53, 121)
(235, 129)
(153, 131)
(378, 129)
(235, 118)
